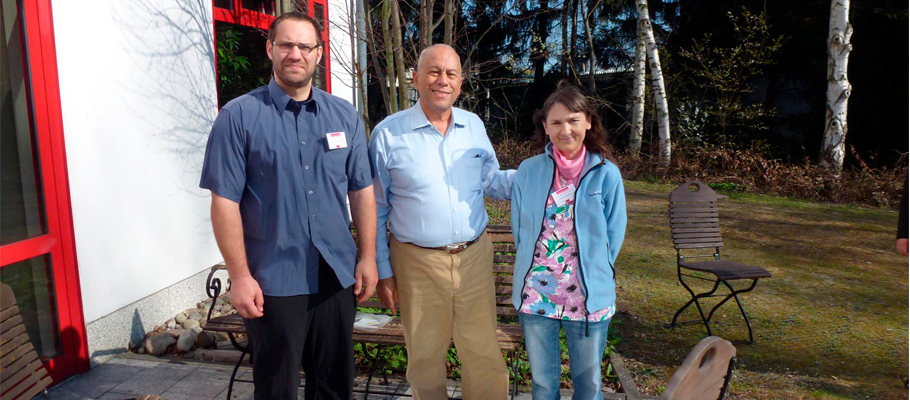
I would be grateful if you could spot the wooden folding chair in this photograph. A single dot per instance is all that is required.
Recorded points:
(22, 375)
(694, 224)
(705, 374)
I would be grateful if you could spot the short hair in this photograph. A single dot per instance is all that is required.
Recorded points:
(571, 96)
(295, 16)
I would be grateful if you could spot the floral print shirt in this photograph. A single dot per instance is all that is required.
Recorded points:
(552, 288)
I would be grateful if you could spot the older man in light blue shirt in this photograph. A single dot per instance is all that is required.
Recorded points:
(433, 165)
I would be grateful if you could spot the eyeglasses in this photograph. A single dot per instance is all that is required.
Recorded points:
(286, 47)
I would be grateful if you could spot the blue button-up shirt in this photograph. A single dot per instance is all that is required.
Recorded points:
(270, 154)
(430, 187)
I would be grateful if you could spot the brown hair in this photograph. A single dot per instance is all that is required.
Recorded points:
(570, 96)
(295, 16)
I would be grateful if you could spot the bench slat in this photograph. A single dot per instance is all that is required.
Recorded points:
(33, 383)
(17, 372)
(9, 312)
(11, 334)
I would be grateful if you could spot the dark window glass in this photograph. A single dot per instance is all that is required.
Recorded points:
(320, 78)
(226, 4)
(262, 6)
(243, 64)
(32, 284)
(21, 196)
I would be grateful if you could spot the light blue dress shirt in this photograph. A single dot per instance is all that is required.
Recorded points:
(430, 187)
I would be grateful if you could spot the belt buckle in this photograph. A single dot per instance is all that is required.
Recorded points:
(456, 248)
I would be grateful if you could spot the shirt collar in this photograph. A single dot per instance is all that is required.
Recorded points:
(418, 118)
(281, 98)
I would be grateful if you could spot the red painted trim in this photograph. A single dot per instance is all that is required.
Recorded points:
(59, 242)
(325, 39)
(23, 250)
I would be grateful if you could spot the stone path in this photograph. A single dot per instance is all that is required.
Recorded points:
(128, 376)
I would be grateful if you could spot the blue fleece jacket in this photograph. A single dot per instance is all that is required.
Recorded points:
(600, 223)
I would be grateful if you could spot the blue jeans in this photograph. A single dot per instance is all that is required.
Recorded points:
(585, 355)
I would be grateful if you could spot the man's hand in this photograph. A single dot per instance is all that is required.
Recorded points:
(246, 296)
(902, 246)
(388, 293)
(366, 274)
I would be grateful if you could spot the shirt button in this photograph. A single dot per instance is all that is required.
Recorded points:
(303, 143)
(456, 232)
(310, 192)
(455, 209)
(306, 167)
(313, 216)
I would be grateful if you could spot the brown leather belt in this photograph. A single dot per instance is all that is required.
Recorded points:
(453, 248)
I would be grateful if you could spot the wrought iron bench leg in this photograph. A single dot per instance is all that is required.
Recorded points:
(513, 360)
(234, 373)
(376, 362)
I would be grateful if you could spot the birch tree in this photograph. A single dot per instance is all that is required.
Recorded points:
(657, 82)
(638, 91)
(831, 155)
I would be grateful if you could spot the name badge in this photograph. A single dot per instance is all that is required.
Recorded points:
(561, 196)
(336, 140)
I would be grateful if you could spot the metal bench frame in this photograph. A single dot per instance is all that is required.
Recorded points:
(510, 336)
(694, 224)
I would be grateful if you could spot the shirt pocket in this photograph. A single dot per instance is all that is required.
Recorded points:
(468, 169)
(336, 163)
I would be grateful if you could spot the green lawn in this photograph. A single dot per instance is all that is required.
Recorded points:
(831, 323)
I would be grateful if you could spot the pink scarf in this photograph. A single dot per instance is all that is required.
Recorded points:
(568, 170)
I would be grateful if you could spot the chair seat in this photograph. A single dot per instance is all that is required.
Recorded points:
(727, 270)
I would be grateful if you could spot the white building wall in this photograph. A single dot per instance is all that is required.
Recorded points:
(138, 93)
(342, 66)
(137, 85)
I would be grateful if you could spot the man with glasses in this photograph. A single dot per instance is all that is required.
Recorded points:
(279, 162)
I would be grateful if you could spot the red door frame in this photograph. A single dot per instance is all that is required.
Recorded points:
(255, 19)
(59, 242)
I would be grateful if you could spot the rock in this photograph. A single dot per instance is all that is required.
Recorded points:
(141, 350)
(216, 314)
(186, 341)
(206, 340)
(218, 307)
(190, 324)
(174, 332)
(196, 316)
(179, 318)
(171, 323)
(227, 308)
(219, 302)
(227, 298)
(156, 345)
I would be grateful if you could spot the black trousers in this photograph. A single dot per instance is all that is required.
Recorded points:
(313, 331)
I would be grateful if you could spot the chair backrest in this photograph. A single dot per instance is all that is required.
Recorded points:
(705, 373)
(22, 375)
(693, 217)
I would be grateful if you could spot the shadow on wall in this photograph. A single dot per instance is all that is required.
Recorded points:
(172, 42)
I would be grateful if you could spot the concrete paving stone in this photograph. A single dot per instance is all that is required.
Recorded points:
(128, 359)
(155, 380)
(202, 382)
(81, 387)
(183, 396)
(115, 396)
(112, 372)
(242, 391)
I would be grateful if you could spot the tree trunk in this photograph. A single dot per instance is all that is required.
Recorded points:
(389, 53)
(564, 57)
(426, 24)
(657, 83)
(831, 156)
(449, 16)
(403, 101)
(539, 47)
(591, 57)
(638, 90)
(374, 53)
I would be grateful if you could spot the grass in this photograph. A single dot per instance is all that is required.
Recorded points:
(832, 323)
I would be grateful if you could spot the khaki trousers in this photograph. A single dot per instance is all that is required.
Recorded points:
(444, 297)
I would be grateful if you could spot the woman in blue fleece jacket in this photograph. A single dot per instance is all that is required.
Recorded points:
(568, 220)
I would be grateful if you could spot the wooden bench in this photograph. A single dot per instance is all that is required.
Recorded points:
(22, 374)
(392, 334)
